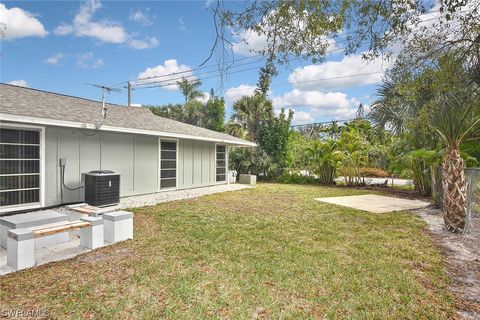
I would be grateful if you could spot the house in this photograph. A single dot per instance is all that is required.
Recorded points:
(151, 153)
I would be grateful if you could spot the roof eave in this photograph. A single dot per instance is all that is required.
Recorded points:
(106, 128)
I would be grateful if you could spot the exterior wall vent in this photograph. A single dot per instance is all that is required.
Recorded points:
(102, 188)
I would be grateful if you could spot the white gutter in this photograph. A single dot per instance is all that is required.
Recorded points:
(80, 125)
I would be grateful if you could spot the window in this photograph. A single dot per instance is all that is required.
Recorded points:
(19, 166)
(221, 165)
(168, 164)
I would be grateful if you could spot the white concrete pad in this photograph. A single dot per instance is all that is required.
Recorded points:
(45, 255)
(376, 203)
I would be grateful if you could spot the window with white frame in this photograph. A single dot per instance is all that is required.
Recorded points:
(221, 165)
(19, 166)
(168, 164)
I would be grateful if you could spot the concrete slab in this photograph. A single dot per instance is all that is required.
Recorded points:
(376, 203)
(45, 255)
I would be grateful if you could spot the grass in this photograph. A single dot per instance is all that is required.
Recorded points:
(268, 252)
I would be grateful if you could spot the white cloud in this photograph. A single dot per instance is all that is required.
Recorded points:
(314, 99)
(320, 104)
(83, 26)
(171, 68)
(18, 23)
(304, 78)
(208, 3)
(144, 18)
(136, 105)
(182, 24)
(147, 43)
(248, 41)
(20, 83)
(301, 117)
(105, 30)
(55, 59)
(235, 93)
(88, 60)
(204, 98)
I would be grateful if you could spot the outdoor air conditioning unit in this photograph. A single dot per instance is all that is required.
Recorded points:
(102, 188)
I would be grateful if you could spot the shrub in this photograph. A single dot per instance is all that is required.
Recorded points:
(296, 178)
(373, 172)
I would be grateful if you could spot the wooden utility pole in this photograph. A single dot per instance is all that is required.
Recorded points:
(129, 87)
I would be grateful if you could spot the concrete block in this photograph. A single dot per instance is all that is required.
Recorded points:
(20, 249)
(92, 237)
(33, 219)
(118, 226)
(248, 179)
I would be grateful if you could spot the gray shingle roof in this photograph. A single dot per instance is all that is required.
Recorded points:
(29, 102)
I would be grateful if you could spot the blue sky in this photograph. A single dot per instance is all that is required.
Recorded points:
(61, 46)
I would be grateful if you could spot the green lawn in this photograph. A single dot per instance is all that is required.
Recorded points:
(268, 252)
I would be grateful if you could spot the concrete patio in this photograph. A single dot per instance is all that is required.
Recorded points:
(376, 203)
(45, 255)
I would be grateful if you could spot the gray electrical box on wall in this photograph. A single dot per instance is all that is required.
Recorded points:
(102, 188)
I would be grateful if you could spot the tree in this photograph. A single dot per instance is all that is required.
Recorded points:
(214, 113)
(360, 114)
(171, 111)
(443, 99)
(210, 115)
(456, 114)
(323, 160)
(305, 28)
(265, 76)
(190, 89)
(274, 136)
(251, 112)
(353, 153)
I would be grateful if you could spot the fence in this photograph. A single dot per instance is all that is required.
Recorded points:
(472, 179)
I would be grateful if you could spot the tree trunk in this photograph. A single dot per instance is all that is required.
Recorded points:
(454, 195)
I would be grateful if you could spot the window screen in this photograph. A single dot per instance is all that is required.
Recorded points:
(19, 166)
(221, 165)
(168, 164)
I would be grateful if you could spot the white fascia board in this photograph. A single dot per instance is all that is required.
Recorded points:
(80, 125)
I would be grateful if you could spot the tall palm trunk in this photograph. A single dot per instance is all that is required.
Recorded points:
(454, 194)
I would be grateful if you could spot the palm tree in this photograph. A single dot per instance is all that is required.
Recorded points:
(190, 89)
(323, 160)
(445, 100)
(250, 111)
(453, 117)
(235, 129)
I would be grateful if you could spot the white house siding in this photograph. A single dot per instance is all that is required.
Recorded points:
(196, 164)
(135, 157)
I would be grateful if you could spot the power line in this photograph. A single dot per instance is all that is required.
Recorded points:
(149, 84)
(195, 69)
(256, 55)
(319, 123)
(192, 77)
(210, 77)
(320, 79)
(195, 77)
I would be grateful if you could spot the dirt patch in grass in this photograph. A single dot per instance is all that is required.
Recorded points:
(462, 258)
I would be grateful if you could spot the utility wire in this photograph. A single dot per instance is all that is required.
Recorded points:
(256, 55)
(319, 123)
(196, 77)
(149, 84)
